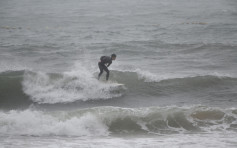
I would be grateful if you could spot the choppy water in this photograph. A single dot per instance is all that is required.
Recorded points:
(176, 59)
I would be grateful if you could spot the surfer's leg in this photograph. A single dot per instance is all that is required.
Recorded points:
(101, 70)
(107, 75)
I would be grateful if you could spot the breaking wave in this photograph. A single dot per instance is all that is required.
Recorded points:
(67, 87)
(104, 121)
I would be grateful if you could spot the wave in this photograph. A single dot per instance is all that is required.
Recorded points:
(104, 121)
(151, 84)
(53, 88)
(21, 88)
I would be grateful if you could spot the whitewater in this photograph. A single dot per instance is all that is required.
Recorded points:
(176, 61)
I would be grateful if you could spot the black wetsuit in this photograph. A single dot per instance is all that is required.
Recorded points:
(104, 60)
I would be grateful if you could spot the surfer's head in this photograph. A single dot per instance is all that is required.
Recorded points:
(113, 56)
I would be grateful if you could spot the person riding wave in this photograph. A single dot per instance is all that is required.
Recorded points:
(104, 63)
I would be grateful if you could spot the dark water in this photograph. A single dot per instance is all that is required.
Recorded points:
(176, 60)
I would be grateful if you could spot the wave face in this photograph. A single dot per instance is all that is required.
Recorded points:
(12, 94)
(104, 121)
(21, 88)
(137, 79)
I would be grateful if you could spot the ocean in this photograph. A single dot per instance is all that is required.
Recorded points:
(176, 59)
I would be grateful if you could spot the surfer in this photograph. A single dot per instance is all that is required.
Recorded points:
(104, 63)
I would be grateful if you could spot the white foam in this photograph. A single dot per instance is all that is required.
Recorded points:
(77, 84)
(37, 123)
(151, 77)
(148, 76)
(12, 67)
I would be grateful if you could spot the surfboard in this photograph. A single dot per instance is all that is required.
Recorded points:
(114, 83)
(119, 84)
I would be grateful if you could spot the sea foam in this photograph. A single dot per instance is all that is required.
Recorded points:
(77, 84)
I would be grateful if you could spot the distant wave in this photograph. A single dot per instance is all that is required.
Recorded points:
(114, 120)
(148, 47)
